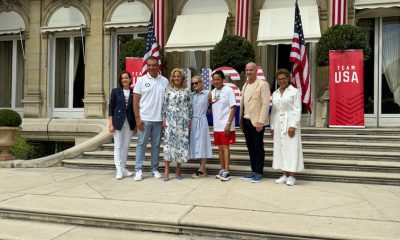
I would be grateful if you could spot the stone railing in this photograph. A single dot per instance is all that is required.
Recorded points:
(95, 132)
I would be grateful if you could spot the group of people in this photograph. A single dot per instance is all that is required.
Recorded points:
(157, 106)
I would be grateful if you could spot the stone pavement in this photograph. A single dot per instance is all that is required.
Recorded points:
(314, 210)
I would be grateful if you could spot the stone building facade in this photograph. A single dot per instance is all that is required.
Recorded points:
(60, 58)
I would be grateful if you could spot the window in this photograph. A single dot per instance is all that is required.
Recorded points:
(11, 74)
(384, 31)
(69, 73)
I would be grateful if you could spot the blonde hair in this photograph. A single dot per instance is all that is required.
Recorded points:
(171, 77)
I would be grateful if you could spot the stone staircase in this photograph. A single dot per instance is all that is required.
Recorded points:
(369, 155)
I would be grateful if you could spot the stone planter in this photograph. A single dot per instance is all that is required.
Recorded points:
(8, 137)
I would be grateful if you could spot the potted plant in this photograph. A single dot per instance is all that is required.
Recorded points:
(10, 122)
(339, 37)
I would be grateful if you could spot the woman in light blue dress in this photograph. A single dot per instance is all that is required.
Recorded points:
(200, 142)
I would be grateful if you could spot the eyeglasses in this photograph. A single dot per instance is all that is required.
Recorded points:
(195, 83)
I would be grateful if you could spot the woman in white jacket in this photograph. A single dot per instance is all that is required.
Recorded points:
(285, 129)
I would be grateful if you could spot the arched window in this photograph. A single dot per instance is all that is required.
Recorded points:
(196, 31)
(128, 21)
(12, 60)
(66, 62)
(275, 34)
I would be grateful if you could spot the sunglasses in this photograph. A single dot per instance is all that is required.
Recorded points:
(195, 83)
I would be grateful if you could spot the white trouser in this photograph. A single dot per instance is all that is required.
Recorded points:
(122, 138)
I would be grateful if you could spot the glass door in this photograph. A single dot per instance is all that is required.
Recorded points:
(382, 71)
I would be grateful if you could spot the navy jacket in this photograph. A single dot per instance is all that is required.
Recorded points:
(118, 109)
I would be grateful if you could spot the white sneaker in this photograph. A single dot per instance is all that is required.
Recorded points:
(119, 176)
(281, 180)
(138, 175)
(126, 173)
(156, 174)
(291, 181)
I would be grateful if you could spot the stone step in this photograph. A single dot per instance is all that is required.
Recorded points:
(328, 138)
(358, 153)
(341, 131)
(310, 163)
(238, 171)
(351, 138)
(353, 131)
(361, 146)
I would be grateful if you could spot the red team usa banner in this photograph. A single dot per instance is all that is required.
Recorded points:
(346, 84)
(134, 67)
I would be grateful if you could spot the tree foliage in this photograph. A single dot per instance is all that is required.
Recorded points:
(232, 51)
(341, 37)
(132, 48)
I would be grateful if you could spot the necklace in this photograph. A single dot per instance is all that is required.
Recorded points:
(217, 94)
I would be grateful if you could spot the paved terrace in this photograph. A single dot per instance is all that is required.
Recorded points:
(76, 197)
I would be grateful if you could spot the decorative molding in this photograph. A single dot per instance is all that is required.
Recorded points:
(65, 3)
(8, 5)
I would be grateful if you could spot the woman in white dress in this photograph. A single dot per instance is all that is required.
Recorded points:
(200, 142)
(285, 129)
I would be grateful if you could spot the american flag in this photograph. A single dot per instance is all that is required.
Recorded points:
(151, 47)
(159, 21)
(231, 72)
(206, 76)
(298, 56)
(339, 12)
(260, 73)
(236, 90)
(188, 75)
(242, 18)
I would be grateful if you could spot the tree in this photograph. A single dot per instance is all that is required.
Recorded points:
(232, 51)
(341, 37)
(132, 48)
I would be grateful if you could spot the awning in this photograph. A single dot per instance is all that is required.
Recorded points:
(11, 23)
(65, 19)
(108, 25)
(62, 28)
(276, 25)
(196, 32)
(11, 31)
(129, 14)
(363, 4)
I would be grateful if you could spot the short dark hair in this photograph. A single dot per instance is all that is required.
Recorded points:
(152, 58)
(283, 71)
(220, 73)
(120, 77)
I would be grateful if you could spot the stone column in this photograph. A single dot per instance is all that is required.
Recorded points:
(95, 102)
(33, 102)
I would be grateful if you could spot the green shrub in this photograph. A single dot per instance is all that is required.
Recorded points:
(9, 118)
(132, 48)
(22, 149)
(341, 37)
(232, 51)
